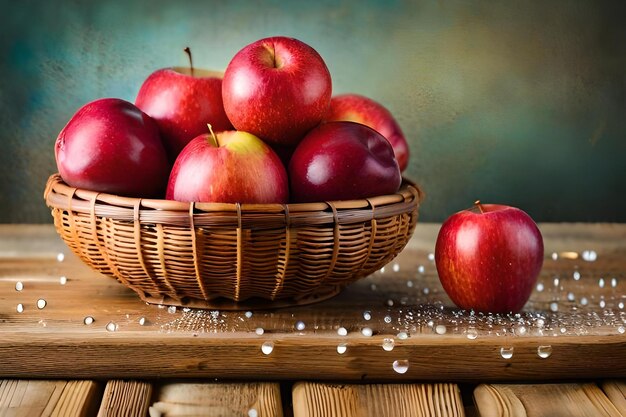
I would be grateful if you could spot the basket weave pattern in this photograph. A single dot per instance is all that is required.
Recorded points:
(195, 253)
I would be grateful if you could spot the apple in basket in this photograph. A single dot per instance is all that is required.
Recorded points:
(277, 89)
(182, 101)
(360, 109)
(488, 258)
(228, 167)
(343, 161)
(111, 146)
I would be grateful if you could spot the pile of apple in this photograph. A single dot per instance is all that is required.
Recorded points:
(268, 131)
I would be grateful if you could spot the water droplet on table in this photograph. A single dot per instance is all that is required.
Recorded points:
(431, 257)
(367, 332)
(19, 286)
(506, 352)
(396, 268)
(63, 280)
(342, 331)
(613, 282)
(409, 284)
(555, 256)
(576, 275)
(544, 351)
(570, 296)
(421, 269)
(426, 290)
(60, 257)
(41, 304)
(589, 255)
(248, 314)
(584, 301)
(387, 319)
(388, 344)
(252, 413)
(341, 348)
(401, 366)
(88, 320)
(367, 315)
(300, 325)
(440, 329)
(390, 303)
(601, 283)
(267, 347)
(142, 321)
(472, 334)
(554, 307)
(540, 286)
(20, 308)
(403, 335)
(621, 330)
(171, 309)
(111, 327)
(259, 331)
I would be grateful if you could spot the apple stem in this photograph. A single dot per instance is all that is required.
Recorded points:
(212, 137)
(188, 52)
(478, 206)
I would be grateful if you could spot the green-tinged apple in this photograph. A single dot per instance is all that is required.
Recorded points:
(277, 89)
(343, 161)
(361, 109)
(182, 101)
(228, 167)
(488, 258)
(111, 146)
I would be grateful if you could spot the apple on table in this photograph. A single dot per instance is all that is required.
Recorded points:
(276, 88)
(488, 258)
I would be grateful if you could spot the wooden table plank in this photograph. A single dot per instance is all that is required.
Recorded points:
(616, 391)
(126, 399)
(572, 328)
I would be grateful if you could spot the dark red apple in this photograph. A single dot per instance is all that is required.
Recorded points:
(277, 89)
(343, 161)
(182, 101)
(111, 146)
(360, 109)
(228, 167)
(488, 258)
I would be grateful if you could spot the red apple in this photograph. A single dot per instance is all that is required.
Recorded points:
(277, 89)
(343, 161)
(488, 258)
(360, 109)
(228, 167)
(183, 101)
(111, 146)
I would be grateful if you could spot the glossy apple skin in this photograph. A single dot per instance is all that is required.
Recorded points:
(241, 169)
(277, 89)
(111, 146)
(183, 105)
(343, 161)
(489, 261)
(361, 109)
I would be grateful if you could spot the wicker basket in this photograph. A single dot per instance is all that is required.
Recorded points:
(215, 255)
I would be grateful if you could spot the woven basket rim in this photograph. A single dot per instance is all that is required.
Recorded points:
(60, 195)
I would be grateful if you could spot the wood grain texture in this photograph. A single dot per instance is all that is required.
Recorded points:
(125, 399)
(616, 391)
(48, 398)
(217, 400)
(376, 400)
(545, 400)
(149, 341)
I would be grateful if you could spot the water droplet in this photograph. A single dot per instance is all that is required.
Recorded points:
(440, 329)
(602, 303)
(382, 270)
(570, 296)
(576, 275)
(367, 315)
(401, 366)
(388, 344)
(248, 314)
(19, 286)
(613, 282)
(589, 255)
(563, 330)
(373, 287)
(540, 286)
(431, 257)
(403, 335)
(540, 322)
(367, 332)
(409, 284)
(555, 256)
(554, 307)
(544, 351)
(42, 323)
(621, 330)
(426, 291)
(341, 348)
(300, 325)
(584, 301)
(111, 326)
(88, 320)
(171, 309)
(396, 268)
(390, 303)
(472, 334)
(252, 413)
(521, 330)
(60, 257)
(259, 331)
(267, 347)
(506, 352)
(556, 281)
(421, 269)
(20, 308)
(620, 305)
(342, 331)
(601, 283)
(186, 309)
(41, 304)
(430, 323)
(142, 321)
(387, 319)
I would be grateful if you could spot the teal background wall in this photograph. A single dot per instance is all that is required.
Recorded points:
(516, 102)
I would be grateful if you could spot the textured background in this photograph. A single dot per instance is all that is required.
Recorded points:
(522, 103)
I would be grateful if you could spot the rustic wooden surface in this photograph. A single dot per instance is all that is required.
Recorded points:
(125, 399)
(585, 335)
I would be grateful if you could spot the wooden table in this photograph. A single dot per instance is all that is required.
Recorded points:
(395, 331)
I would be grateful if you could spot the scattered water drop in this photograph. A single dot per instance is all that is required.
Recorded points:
(267, 347)
(171, 309)
(401, 366)
(300, 325)
(571, 296)
(20, 308)
(63, 280)
(342, 331)
(540, 286)
(430, 323)
(440, 329)
(41, 304)
(252, 413)
(602, 303)
(521, 330)
(613, 282)
(506, 352)
(554, 307)
(409, 284)
(556, 281)
(472, 334)
(563, 330)
(88, 320)
(555, 256)
(142, 321)
(589, 255)
(544, 351)
(620, 305)
(367, 315)
(390, 303)
(373, 287)
(341, 348)
(60, 257)
(111, 326)
(382, 270)
(19, 286)
(621, 330)
(367, 332)
(601, 283)
(576, 275)
(248, 314)
(431, 257)
(584, 301)
(387, 319)
(396, 268)
(403, 335)
(426, 291)
(388, 344)
(259, 331)
(421, 269)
